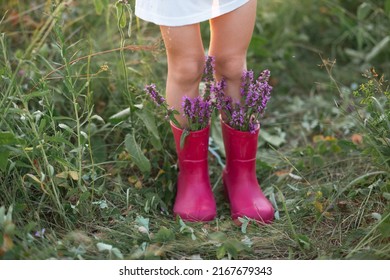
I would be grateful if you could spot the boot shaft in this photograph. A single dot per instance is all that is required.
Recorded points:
(195, 144)
(240, 146)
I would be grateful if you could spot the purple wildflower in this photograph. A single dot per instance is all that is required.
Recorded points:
(264, 76)
(253, 125)
(205, 111)
(238, 117)
(246, 82)
(228, 103)
(208, 73)
(208, 77)
(264, 91)
(187, 107)
(219, 95)
(154, 94)
(40, 233)
(197, 111)
(252, 97)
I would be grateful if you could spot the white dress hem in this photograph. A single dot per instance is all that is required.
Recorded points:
(159, 19)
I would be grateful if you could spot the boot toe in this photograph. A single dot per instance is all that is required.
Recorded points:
(263, 214)
(202, 214)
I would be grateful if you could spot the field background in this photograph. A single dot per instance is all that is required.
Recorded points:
(87, 163)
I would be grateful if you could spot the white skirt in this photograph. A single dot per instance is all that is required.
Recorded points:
(183, 12)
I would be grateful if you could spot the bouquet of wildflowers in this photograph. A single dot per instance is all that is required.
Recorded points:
(244, 115)
(196, 110)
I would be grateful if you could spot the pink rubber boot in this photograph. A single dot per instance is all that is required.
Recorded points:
(239, 176)
(194, 199)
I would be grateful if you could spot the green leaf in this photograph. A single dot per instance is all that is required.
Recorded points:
(363, 11)
(221, 252)
(382, 45)
(130, 14)
(387, 7)
(4, 154)
(317, 160)
(346, 145)
(183, 138)
(164, 235)
(156, 143)
(121, 14)
(117, 253)
(103, 246)
(384, 226)
(143, 222)
(65, 127)
(148, 119)
(99, 149)
(7, 138)
(120, 115)
(244, 224)
(136, 153)
(98, 6)
(273, 139)
(186, 229)
(218, 236)
(8, 217)
(35, 94)
(304, 241)
(233, 247)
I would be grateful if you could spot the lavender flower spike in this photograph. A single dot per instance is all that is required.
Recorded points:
(246, 82)
(264, 76)
(154, 94)
(208, 74)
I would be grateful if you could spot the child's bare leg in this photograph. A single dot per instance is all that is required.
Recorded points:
(185, 55)
(230, 37)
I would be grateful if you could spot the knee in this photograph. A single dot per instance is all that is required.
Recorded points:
(230, 67)
(187, 70)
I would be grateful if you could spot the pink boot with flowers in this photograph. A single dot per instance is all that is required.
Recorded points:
(194, 198)
(239, 176)
(240, 123)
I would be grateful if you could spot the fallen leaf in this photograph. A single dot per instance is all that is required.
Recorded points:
(357, 139)
(330, 138)
(318, 138)
(319, 207)
(138, 185)
(282, 173)
(132, 179)
(62, 175)
(8, 244)
(74, 175)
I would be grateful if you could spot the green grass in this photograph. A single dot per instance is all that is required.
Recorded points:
(88, 167)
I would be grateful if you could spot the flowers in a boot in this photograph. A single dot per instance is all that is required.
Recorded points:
(198, 110)
(244, 115)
